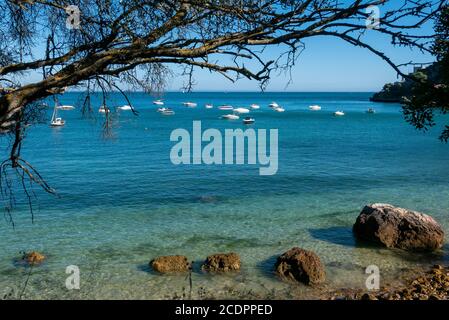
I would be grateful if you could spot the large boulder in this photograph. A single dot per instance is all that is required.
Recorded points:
(222, 262)
(395, 227)
(302, 266)
(170, 264)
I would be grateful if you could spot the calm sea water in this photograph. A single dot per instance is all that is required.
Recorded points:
(122, 202)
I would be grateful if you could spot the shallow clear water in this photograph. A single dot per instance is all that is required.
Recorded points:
(122, 202)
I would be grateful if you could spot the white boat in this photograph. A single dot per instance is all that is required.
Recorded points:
(248, 120)
(255, 106)
(125, 108)
(230, 117)
(225, 107)
(339, 113)
(66, 107)
(158, 102)
(162, 109)
(370, 110)
(279, 109)
(315, 108)
(168, 112)
(55, 120)
(241, 110)
(190, 104)
(273, 105)
(103, 109)
(208, 106)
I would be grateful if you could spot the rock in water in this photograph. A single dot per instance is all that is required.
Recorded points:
(222, 262)
(301, 265)
(33, 258)
(170, 264)
(396, 227)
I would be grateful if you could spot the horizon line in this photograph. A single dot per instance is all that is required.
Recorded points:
(219, 91)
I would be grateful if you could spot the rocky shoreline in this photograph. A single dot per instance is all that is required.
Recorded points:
(430, 285)
(380, 225)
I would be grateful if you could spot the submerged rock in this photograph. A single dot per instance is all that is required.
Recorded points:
(209, 199)
(222, 262)
(400, 228)
(33, 258)
(301, 265)
(170, 264)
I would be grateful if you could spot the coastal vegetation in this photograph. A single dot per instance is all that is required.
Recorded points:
(431, 95)
(399, 92)
(425, 92)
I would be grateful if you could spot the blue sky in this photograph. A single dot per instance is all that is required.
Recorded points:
(327, 64)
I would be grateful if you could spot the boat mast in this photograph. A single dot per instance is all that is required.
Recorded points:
(55, 110)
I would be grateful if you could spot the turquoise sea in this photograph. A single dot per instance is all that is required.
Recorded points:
(121, 201)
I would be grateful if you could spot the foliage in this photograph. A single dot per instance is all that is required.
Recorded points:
(431, 94)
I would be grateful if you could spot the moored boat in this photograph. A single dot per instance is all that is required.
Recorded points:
(168, 112)
(225, 107)
(190, 104)
(230, 117)
(125, 108)
(315, 108)
(103, 109)
(66, 108)
(241, 110)
(55, 120)
(279, 109)
(248, 120)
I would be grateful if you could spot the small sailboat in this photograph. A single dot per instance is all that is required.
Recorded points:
(190, 104)
(230, 117)
(248, 120)
(315, 108)
(241, 110)
(55, 120)
(273, 105)
(208, 106)
(370, 110)
(255, 107)
(339, 113)
(225, 107)
(158, 102)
